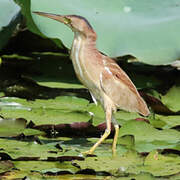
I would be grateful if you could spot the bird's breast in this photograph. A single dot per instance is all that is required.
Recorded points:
(76, 57)
(83, 65)
(80, 61)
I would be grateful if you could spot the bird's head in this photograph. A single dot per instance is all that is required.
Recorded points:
(76, 23)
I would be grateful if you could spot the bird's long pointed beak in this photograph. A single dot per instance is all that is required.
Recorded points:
(52, 16)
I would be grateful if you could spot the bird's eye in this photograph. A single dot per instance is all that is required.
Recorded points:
(67, 21)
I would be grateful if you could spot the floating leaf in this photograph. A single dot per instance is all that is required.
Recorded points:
(172, 99)
(145, 132)
(44, 167)
(63, 109)
(162, 165)
(9, 18)
(11, 127)
(6, 166)
(148, 138)
(156, 104)
(131, 163)
(18, 149)
(169, 121)
(150, 23)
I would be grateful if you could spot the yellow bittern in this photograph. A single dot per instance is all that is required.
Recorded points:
(105, 80)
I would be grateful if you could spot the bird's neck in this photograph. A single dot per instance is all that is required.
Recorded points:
(83, 42)
(83, 45)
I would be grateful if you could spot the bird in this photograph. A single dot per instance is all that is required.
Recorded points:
(107, 83)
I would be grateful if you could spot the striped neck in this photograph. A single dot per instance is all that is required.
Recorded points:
(81, 41)
(81, 46)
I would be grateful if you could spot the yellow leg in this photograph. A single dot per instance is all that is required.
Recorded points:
(106, 133)
(116, 126)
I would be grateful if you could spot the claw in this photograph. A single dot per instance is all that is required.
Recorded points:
(87, 153)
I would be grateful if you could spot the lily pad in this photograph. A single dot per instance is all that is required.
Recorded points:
(150, 23)
(172, 99)
(148, 138)
(17, 150)
(9, 18)
(145, 132)
(131, 163)
(169, 121)
(45, 167)
(141, 176)
(6, 166)
(63, 109)
(160, 165)
(13, 127)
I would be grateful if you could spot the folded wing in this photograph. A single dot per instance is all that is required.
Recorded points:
(118, 86)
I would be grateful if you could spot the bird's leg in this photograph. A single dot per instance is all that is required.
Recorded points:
(116, 126)
(108, 111)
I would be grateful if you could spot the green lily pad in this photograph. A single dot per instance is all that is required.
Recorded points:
(44, 167)
(142, 176)
(160, 165)
(16, 149)
(69, 103)
(129, 163)
(132, 163)
(148, 138)
(172, 99)
(150, 23)
(64, 109)
(143, 146)
(40, 176)
(9, 18)
(13, 127)
(169, 121)
(6, 166)
(145, 132)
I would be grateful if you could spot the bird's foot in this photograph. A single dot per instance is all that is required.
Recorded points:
(90, 152)
(87, 153)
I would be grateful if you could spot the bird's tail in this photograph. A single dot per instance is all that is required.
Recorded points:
(143, 109)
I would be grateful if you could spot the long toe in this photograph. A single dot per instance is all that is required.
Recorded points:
(87, 152)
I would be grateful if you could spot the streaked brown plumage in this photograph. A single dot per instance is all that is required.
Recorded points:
(106, 81)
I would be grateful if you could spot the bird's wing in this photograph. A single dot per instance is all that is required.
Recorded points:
(118, 86)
